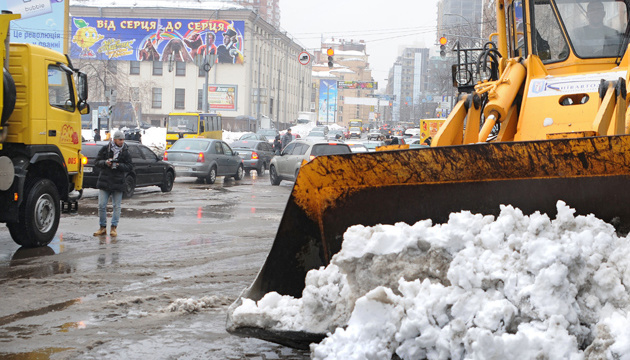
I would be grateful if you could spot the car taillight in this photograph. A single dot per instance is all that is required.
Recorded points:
(83, 160)
(165, 157)
(201, 158)
(254, 155)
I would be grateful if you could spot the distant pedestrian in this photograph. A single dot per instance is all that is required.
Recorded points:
(394, 141)
(108, 135)
(114, 160)
(277, 145)
(427, 141)
(287, 138)
(97, 135)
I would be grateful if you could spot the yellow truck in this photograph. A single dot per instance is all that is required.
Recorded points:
(40, 138)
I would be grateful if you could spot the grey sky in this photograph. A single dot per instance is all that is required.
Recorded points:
(386, 26)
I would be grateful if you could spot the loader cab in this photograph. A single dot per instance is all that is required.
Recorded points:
(568, 30)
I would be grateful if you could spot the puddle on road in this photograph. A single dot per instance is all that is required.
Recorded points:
(32, 263)
(37, 312)
(41, 354)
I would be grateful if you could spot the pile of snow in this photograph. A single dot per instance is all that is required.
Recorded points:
(194, 305)
(518, 287)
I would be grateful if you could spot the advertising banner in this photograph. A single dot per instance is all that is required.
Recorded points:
(357, 85)
(429, 127)
(222, 97)
(42, 22)
(134, 39)
(327, 101)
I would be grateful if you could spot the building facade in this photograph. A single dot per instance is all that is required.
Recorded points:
(155, 58)
(408, 83)
(269, 10)
(353, 94)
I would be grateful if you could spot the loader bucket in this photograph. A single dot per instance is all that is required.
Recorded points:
(332, 193)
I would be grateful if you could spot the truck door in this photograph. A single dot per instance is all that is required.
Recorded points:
(64, 126)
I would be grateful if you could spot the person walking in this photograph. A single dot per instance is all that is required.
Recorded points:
(277, 145)
(97, 135)
(287, 138)
(114, 160)
(108, 135)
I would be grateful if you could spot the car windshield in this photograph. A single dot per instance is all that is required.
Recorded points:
(355, 129)
(248, 136)
(244, 144)
(316, 133)
(267, 132)
(193, 145)
(182, 123)
(330, 149)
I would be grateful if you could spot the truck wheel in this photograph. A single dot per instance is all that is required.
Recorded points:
(39, 215)
(130, 186)
(8, 102)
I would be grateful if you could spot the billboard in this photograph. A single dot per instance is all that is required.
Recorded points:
(429, 127)
(222, 97)
(42, 22)
(357, 85)
(133, 39)
(327, 101)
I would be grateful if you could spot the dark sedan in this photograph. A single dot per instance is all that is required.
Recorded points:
(256, 154)
(148, 168)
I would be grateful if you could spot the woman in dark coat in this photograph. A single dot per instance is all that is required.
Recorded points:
(114, 161)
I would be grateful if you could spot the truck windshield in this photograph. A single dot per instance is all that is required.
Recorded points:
(596, 28)
(182, 123)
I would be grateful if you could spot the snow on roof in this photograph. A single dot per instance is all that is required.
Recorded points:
(323, 74)
(343, 70)
(346, 52)
(352, 59)
(183, 4)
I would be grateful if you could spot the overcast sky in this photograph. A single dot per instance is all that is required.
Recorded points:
(386, 26)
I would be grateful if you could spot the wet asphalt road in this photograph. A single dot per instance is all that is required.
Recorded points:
(88, 298)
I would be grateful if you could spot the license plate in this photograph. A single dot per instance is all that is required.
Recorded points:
(87, 169)
(181, 168)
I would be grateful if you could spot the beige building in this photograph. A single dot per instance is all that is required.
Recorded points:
(350, 65)
(262, 78)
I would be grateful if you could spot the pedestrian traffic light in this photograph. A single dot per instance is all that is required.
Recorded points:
(330, 52)
(443, 46)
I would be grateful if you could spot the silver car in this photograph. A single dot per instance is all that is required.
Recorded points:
(205, 159)
(287, 165)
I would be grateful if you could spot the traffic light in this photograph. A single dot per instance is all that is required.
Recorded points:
(330, 52)
(443, 46)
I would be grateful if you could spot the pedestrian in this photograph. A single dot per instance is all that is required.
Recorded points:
(114, 161)
(287, 138)
(97, 135)
(108, 136)
(394, 141)
(427, 141)
(277, 145)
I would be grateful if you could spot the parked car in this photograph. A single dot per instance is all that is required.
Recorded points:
(287, 165)
(270, 134)
(148, 168)
(205, 159)
(372, 145)
(355, 132)
(256, 154)
(316, 134)
(374, 134)
(357, 147)
(332, 134)
(254, 136)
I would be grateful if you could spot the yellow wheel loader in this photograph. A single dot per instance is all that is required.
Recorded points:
(546, 121)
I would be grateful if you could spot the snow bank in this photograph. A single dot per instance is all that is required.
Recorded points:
(194, 305)
(518, 287)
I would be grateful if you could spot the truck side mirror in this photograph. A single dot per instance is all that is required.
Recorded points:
(82, 86)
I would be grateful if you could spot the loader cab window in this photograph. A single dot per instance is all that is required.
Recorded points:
(60, 92)
(516, 34)
(548, 42)
(595, 27)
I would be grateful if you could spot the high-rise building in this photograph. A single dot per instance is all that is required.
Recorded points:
(461, 20)
(269, 10)
(408, 83)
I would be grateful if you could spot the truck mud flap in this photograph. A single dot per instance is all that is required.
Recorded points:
(333, 193)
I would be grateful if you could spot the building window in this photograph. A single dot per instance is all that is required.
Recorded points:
(157, 68)
(180, 68)
(112, 66)
(156, 98)
(180, 98)
(134, 68)
(200, 99)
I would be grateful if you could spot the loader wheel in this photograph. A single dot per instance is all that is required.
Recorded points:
(8, 102)
(38, 215)
(273, 176)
